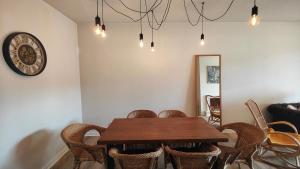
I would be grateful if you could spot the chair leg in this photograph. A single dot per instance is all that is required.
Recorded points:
(249, 162)
(297, 161)
(77, 164)
(239, 165)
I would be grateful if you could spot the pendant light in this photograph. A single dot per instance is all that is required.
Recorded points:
(97, 21)
(103, 26)
(202, 42)
(141, 25)
(254, 19)
(152, 43)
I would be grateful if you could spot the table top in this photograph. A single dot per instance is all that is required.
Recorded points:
(159, 130)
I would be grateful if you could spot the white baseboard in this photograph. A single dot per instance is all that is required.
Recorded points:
(56, 158)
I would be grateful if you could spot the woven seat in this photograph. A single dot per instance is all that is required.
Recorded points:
(193, 158)
(248, 138)
(171, 114)
(142, 114)
(283, 140)
(73, 136)
(135, 159)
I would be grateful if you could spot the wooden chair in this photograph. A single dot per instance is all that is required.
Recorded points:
(285, 145)
(214, 106)
(73, 136)
(135, 159)
(142, 114)
(171, 114)
(193, 158)
(248, 138)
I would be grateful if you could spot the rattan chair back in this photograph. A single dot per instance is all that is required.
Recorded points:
(142, 114)
(124, 160)
(194, 160)
(258, 116)
(73, 136)
(171, 114)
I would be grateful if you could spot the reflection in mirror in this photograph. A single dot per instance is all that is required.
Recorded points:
(209, 87)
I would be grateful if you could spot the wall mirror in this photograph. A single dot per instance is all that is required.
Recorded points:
(208, 89)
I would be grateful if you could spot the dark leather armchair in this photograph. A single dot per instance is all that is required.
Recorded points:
(280, 112)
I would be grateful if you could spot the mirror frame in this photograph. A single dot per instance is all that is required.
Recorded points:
(198, 99)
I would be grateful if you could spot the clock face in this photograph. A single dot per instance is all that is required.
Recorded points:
(24, 53)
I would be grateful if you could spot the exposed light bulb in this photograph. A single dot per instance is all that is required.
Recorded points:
(202, 42)
(97, 24)
(141, 43)
(103, 31)
(97, 30)
(152, 47)
(141, 40)
(254, 19)
(103, 34)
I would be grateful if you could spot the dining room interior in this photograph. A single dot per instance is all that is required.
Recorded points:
(149, 84)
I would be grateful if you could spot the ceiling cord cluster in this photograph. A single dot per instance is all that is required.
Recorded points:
(155, 24)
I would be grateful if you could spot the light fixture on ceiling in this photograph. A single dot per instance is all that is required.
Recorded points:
(202, 42)
(97, 21)
(152, 47)
(141, 40)
(152, 43)
(141, 25)
(103, 26)
(254, 19)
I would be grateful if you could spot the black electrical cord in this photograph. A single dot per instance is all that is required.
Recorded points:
(134, 10)
(202, 11)
(97, 7)
(141, 24)
(129, 17)
(165, 14)
(152, 26)
(209, 19)
(102, 13)
(188, 17)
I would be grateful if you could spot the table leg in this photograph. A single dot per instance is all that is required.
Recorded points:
(110, 161)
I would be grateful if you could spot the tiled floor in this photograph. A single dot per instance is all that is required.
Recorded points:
(67, 161)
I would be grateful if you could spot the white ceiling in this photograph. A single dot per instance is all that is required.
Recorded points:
(269, 10)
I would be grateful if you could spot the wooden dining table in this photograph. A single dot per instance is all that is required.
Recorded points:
(159, 130)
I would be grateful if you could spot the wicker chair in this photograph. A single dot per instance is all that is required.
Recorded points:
(73, 136)
(193, 158)
(135, 159)
(213, 103)
(171, 114)
(285, 145)
(142, 114)
(248, 138)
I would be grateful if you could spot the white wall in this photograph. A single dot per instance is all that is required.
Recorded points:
(207, 88)
(33, 110)
(117, 76)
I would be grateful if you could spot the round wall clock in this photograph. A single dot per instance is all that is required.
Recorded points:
(24, 54)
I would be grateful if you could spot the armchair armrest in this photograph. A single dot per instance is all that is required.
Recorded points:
(99, 129)
(284, 123)
(96, 151)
